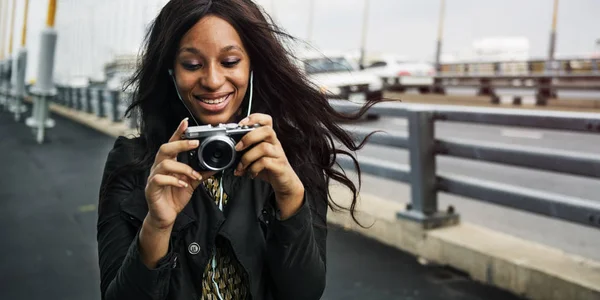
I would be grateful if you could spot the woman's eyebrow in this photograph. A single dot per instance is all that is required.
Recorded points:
(197, 52)
(232, 47)
(189, 49)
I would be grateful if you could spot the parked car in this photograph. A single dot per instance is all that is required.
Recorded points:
(399, 75)
(336, 76)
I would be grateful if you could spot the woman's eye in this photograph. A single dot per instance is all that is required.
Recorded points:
(230, 63)
(190, 67)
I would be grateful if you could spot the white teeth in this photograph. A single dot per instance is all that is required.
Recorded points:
(215, 101)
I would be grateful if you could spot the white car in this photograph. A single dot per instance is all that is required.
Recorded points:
(336, 76)
(398, 74)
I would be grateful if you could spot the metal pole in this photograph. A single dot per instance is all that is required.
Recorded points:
(44, 86)
(10, 82)
(12, 27)
(365, 26)
(550, 63)
(311, 18)
(3, 11)
(422, 161)
(438, 51)
(3, 63)
(424, 205)
(8, 71)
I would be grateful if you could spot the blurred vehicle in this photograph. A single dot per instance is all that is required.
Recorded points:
(398, 74)
(336, 76)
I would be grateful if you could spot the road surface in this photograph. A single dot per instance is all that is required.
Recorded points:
(48, 197)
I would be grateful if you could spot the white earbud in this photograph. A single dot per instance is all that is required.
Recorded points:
(251, 93)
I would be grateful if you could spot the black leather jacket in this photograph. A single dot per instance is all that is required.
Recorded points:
(283, 259)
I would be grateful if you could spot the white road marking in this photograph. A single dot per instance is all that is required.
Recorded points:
(524, 134)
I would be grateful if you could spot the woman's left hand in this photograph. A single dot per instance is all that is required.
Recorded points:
(265, 159)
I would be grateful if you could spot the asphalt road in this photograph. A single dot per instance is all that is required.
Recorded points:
(48, 197)
(572, 238)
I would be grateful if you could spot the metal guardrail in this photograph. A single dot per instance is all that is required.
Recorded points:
(422, 146)
(574, 65)
(426, 182)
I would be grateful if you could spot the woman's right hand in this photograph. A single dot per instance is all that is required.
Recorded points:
(171, 183)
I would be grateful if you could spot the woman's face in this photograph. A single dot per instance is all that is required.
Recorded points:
(212, 69)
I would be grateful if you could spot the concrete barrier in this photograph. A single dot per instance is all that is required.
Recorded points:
(525, 268)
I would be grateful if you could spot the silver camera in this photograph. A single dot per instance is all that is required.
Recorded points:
(217, 146)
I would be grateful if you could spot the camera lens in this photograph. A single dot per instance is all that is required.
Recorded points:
(217, 154)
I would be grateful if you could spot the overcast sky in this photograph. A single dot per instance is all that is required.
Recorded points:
(91, 31)
(409, 27)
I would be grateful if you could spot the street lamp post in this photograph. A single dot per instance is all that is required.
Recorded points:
(438, 51)
(437, 83)
(365, 27)
(552, 48)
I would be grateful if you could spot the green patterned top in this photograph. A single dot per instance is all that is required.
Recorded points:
(229, 273)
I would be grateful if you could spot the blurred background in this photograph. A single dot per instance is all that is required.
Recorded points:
(404, 29)
(484, 185)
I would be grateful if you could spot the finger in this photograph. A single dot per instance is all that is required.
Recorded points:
(258, 135)
(170, 150)
(256, 118)
(262, 165)
(204, 175)
(160, 181)
(179, 131)
(168, 166)
(255, 153)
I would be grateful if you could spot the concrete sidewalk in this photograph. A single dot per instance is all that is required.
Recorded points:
(48, 216)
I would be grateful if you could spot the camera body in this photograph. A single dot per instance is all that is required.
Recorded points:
(216, 151)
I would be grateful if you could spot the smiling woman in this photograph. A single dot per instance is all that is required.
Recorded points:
(212, 70)
(256, 230)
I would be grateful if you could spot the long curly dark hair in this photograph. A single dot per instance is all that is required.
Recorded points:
(306, 125)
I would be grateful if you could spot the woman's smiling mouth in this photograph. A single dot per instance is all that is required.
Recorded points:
(214, 102)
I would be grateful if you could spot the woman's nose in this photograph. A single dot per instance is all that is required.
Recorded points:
(213, 78)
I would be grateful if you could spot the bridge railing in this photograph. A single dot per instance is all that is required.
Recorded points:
(425, 180)
(576, 65)
(423, 147)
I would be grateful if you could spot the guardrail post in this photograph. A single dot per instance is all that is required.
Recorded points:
(79, 103)
(438, 86)
(5, 73)
(111, 102)
(18, 80)
(424, 205)
(70, 97)
(544, 91)
(73, 98)
(85, 103)
(97, 103)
